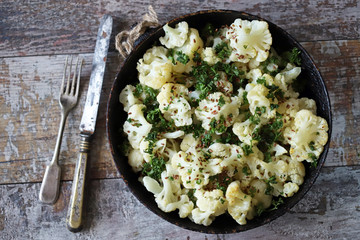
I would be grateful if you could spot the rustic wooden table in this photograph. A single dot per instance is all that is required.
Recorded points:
(35, 38)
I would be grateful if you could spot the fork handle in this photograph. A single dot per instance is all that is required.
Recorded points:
(74, 215)
(49, 190)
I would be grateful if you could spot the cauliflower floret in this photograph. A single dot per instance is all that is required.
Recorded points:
(136, 126)
(169, 197)
(127, 97)
(152, 185)
(173, 103)
(290, 107)
(219, 107)
(290, 73)
(136, 160)
(250, 40)
(188, 141)
(193, 167)
(260, 200)
(154, 68)
(192, 44)
(258, 100)
(158, 148)
(244, 131)
(173, 135)
(172, 147)
(209, 56)
(309, 104)
(184, 205)
(231, 156)
(224, 85)
(175, 37)
(307, 136)
(278, 149)
(296, 172)
(284, 79)
(290, 189)
(238, 202)
(200, 217)
(211, 201)
(183, 66)
(253, 75)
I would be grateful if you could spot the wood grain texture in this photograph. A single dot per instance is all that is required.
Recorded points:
(330, 210)
(30, 116)
(31, 113)
(338, 62)
(35, 37)
(59, 27)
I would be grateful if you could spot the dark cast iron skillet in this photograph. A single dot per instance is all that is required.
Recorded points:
(315, 88)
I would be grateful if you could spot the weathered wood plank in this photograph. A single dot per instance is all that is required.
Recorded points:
(30, 113)
(330, 210)
(38, 28)
(338, 62)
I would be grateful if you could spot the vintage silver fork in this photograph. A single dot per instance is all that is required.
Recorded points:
(69, 94)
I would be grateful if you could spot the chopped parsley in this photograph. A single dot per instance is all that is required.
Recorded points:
(197, 57)
(196, 129)
(206, 139)
(154, 168)
(268, 134)
(138, 90)
(150, 95)
(207, 31)
(259, 209)
(275, 203)
(229, 137)
(232, 72)
(220, 181)
(182, 57)
(218, 126)
(191, 196)
(311, 146)
(221, 101)
(222, 50)
(244, 97)
(206, 77)
(274, 106)
(252, 191)
(247, 149)
(269, 189)
(314, 159)
(134, 122)
(294, 56)
(261, 80)
(170, 55)
(246, 171)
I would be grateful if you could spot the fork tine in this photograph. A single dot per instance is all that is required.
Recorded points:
(73, 83)
(64, 75)
(78, 78)
(67, 91)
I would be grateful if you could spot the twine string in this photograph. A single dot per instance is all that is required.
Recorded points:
(124, 41)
